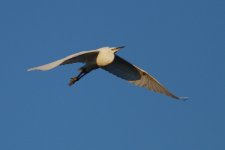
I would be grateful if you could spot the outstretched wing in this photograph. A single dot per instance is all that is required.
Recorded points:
(82, 57)
(137, 76)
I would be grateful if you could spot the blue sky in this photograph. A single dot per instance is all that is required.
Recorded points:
(179, 42)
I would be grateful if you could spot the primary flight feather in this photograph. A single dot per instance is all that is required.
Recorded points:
(107, 59)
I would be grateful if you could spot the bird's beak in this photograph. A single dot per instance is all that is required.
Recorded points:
(118, 48)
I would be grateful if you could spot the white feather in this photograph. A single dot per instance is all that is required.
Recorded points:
(77, 57)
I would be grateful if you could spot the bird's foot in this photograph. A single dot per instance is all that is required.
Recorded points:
(73, 80)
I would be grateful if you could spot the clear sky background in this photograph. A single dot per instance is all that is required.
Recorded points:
(180, 42)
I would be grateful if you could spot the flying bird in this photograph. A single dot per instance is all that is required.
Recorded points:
(107, 59)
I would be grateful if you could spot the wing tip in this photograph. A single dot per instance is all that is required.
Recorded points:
(30, 69)
(36, 68)
(182, 98)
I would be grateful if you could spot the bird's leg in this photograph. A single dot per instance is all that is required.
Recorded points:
(77, 78)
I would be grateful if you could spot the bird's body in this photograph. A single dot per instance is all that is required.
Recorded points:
(106, 59)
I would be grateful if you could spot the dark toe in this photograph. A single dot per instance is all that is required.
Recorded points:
(72, 81)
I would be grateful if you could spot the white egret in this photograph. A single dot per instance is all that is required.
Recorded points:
(106, 59)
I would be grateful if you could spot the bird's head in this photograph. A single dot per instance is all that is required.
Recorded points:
(111, 49)
(116, 49)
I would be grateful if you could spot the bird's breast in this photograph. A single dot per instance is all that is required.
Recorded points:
(104, 59)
